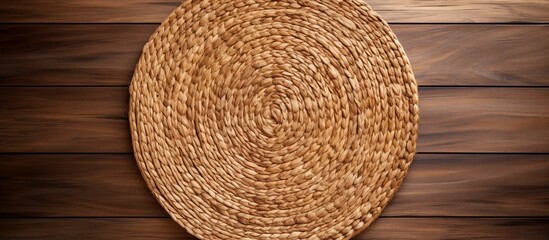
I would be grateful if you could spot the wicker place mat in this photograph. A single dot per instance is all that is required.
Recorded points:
(274, 119)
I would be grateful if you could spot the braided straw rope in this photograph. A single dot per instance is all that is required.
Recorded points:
(289, 119)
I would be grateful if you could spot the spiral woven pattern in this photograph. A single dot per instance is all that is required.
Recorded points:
(255, 119)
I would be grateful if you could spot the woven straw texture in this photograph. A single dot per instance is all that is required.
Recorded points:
(256, 119)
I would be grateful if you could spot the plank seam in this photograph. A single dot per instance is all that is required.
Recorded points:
(391, 23)
(126, 86)
(388, 217)
(131, 153)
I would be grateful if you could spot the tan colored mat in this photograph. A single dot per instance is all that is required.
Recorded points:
(274, 119)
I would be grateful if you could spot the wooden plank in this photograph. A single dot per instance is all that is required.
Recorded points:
(92, 228)
(70, 55)
(154, 11)
(74, 185)
(383, 228)
(456, 228)
(64, 120)
(94, 120)
(484, 120)
(479, 55)
(474, 185)
(100, 185)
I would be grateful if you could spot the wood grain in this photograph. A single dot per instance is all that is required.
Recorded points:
(474, 185)
(484, 120)
(456, 228)
(63, 90)
(70, 55)
(383, 228)
(74, 185)
(475, 55)
(154, 11)
(110, 185)
(94, 120)
(64, 120)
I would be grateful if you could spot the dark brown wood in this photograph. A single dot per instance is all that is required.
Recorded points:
(474, 185)
(156, 10)
(476, 55)
(89, 185)
(94, 120)
(456, 229)
(70, 55)
(484, 120)
(100, 185)
(64, 120)
(93, 228)
(68, 95)
(384, 228)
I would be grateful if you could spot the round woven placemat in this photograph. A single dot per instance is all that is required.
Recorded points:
(274, 119)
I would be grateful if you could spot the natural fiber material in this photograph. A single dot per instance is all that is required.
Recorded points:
(274, 119)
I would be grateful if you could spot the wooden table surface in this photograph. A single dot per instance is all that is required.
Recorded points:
(66, 164)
